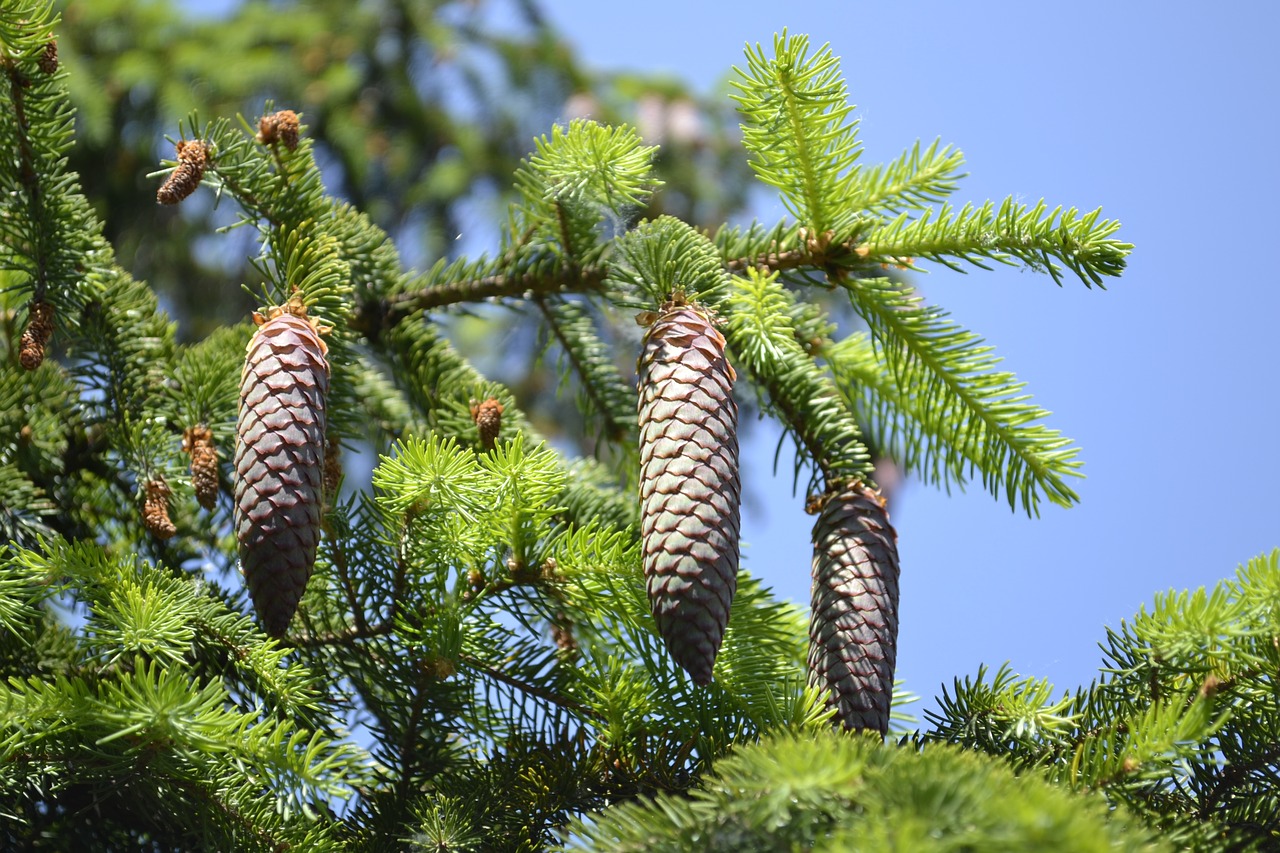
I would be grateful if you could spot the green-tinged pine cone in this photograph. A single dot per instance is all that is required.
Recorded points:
(853, 628)
(280, 441)
(689, 485)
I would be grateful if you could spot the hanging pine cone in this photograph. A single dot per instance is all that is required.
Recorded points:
(35, 337)
(193, 157)
(280, 441)
(689, 484)
(853, 627)
(198, 442)
(155, 509)
(488, 418)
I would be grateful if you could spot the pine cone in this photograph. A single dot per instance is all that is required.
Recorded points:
(155, 509)
(193, 157)
(853, 627)
(35, 337)
(488, 418)
(280, 462)
(198, 441)
(689, 484)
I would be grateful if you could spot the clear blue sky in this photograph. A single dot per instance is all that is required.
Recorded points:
(1165, 115)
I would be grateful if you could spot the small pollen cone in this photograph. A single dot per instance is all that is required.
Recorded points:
(35, 337)
(853, 627)
(198, 442)
(689, 486)
(488, 418)
(193, 157)
(280, 126)
(155, 509)
(279, 464)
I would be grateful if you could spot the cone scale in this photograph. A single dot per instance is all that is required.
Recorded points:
(689, 486)
(853, 627)
(279, 464)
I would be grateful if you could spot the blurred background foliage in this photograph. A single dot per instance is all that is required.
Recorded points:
(421, 111)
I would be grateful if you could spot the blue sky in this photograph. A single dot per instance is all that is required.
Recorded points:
(1163, 114)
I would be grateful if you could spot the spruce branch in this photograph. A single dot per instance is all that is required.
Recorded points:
(1035, 236)
(994, 429)
(911, 182)
(797, 131)
(604, 394)
(762, 335)
(450, 291)
(661, 258)
(580, 179)
(930, 389)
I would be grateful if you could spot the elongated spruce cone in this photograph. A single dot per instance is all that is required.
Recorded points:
(689, 486)
(280, 464)
(853, 628)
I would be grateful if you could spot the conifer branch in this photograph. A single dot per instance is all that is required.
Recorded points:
(939, 379)
(762, 335)
(992, 427)
(1035, 236)
(525, 285)
(798, 133)
(604, 393)
(910, 182)
(527, 687)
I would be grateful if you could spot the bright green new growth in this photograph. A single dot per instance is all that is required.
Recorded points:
(925, 390)
(823, 792)
(796, 107)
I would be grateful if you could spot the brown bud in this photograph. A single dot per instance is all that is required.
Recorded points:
(193, 157)
(280, 126)
(488, 418)
(155, 509)
(48, 61)
(37, 334)
(198, 442)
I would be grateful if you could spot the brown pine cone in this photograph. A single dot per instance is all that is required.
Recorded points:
(35, 337)
(155, 509)
(280, 441)
(853, 626)
(193, 157)
(689, 486)
(488, 418)
(198, 442)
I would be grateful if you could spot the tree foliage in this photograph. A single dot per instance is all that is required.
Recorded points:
(474, 664)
